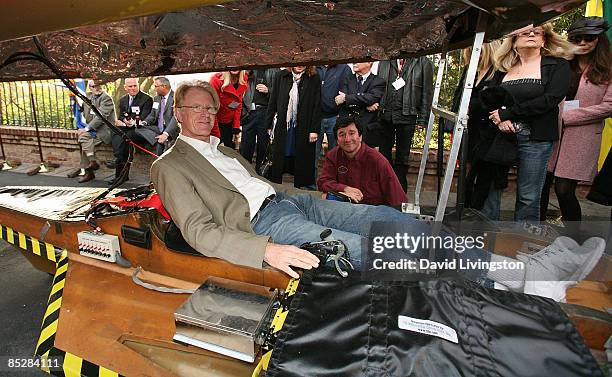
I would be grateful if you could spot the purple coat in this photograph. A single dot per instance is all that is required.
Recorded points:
(582, 129)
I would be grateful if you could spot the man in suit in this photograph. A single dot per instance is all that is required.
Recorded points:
(159, 128)
(360, 94)
(134, 107)
(225, 210)
(405, 105)
(95, 132)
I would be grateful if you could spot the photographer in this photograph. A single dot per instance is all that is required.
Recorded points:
(133, 107)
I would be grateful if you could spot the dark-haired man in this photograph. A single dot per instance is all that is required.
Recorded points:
(357, 170)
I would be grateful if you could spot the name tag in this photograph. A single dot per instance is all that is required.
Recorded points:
(427, 327)
(136, 109)
(571, 105)
(399, 83)
(156, 105)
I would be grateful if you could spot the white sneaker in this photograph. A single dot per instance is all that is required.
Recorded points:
(550, 271)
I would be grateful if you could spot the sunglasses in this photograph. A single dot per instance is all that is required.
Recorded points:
(535, 32)
(579, 38)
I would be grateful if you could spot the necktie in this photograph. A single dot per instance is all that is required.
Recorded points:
(160, 118)
(400, 67)
(130, 102)
(359, 83)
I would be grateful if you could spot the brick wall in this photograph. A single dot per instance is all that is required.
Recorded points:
(58, 145)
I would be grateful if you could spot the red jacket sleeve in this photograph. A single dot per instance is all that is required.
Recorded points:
(328, 178)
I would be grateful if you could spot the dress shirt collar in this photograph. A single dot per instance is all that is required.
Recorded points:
(365, 77)
(206, 149)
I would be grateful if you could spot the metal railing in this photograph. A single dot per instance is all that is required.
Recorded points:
(51, 98)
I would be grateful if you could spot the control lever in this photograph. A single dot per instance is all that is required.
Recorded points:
(329, 249)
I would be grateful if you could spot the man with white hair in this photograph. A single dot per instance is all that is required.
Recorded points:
(134, 107)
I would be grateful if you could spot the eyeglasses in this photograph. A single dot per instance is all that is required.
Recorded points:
(535, 32)
(578, 38)
(200, 109)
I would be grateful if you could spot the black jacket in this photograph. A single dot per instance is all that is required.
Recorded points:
(357, 101)
(418, 91)
(308, 121)
(269, 79)
(542, 113)
(143, 101)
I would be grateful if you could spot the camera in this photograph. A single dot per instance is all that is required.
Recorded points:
(337, 196)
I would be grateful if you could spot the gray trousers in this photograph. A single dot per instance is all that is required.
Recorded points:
(88, 148)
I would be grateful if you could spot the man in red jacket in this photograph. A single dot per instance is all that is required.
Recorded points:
(357, 170)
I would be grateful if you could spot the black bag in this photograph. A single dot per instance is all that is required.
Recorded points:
(266, 165)
(350, 327)
(503, 150)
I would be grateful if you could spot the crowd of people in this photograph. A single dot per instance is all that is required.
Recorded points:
(538, 104)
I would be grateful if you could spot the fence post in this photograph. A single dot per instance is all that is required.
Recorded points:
(42, 168)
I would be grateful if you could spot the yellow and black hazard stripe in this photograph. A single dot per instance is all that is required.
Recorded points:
(71, 364)
(30, 244)
(277, 324)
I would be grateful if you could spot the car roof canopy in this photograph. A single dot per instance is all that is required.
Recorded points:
(161, 38)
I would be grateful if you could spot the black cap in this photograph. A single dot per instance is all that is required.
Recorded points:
(588, 26)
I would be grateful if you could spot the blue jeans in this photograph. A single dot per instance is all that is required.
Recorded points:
(327, 128)
(297, 219)
(533, 160)
(492, 204)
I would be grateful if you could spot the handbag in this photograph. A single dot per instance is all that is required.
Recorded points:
(503, 150)
(268, 160)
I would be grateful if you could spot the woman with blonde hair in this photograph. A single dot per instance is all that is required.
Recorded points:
(481, 173)
(230, 86)
(534, 71)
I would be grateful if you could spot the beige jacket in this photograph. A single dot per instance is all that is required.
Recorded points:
(211, 213)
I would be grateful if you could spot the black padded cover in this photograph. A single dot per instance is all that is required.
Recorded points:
(346, 327)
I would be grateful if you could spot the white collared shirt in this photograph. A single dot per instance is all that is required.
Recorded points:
(365, 77)
(253, 189)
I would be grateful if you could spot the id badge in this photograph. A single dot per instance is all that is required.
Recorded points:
(156, 105)
(399, 83)
(136, 110)
(571, 105)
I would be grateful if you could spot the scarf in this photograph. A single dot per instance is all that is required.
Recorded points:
(293, 98)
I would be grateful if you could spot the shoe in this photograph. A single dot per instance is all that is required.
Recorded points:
(75, 173)
(599, 198)
(89, 176)
(563, 263)
(93, 165)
